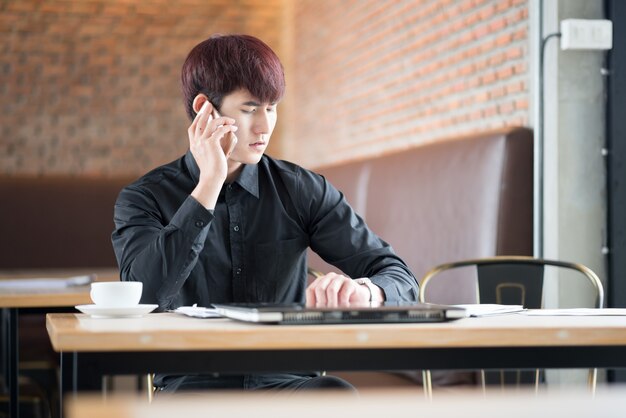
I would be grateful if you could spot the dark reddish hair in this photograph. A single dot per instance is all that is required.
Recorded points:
(224, 63)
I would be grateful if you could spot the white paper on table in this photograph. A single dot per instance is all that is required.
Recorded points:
(489, 309)
(197, 311)
(576, 312)
(46, 283)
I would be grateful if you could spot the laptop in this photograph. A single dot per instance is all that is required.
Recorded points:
(298, 314)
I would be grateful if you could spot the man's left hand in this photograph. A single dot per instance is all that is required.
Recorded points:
(332, 290)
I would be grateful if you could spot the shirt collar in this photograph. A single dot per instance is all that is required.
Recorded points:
(248, 178)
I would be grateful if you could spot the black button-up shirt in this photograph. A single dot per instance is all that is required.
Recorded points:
(252, 247)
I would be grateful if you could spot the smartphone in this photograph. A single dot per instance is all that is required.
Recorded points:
(229, 140)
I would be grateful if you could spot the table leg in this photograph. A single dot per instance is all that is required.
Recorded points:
(77, 373)
(4, 328)
(13, 364)
(67, 382)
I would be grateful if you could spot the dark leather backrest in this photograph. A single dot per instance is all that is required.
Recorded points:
(57, 222)
(446, 201)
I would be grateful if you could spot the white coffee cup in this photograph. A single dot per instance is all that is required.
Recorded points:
(116, 294)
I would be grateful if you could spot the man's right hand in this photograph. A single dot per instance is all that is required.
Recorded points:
(211, 140)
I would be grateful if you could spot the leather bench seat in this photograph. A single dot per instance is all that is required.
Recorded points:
(57, 222)
(445, 201)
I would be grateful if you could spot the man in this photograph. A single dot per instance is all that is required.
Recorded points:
(227, 223)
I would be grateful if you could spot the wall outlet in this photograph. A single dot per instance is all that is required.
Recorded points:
(586, 34)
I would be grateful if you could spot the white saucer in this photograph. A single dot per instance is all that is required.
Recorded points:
(116, 312)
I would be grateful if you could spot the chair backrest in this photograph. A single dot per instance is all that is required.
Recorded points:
(513, 280)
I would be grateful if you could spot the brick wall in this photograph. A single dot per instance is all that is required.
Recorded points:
(92, 86)
(373, 76)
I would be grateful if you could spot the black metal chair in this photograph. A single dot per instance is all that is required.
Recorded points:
(511, 280)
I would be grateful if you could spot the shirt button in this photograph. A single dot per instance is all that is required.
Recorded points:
(199, 224)
(236, 228)
(238, 271)
(229, 187)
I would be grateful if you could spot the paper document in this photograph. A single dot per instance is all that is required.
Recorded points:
(488, 309)
(46, 283)
(576, 312)
(197, 311)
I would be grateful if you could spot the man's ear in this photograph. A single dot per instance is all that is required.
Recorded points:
(199, 101)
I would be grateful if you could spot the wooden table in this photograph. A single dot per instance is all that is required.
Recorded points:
(173, 332)
(11, 301)
(171, 343)
(369, 404)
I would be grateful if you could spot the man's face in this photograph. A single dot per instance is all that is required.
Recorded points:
(256, 122)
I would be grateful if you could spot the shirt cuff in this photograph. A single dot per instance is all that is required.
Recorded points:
(192, 216)
(388, 286)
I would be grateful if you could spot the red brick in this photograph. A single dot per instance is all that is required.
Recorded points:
(454, 104)
(465, 6)
(497, 59)
(157, 30)
(506, 108)
(521, 104)
(475, 115)
(81, 7)
(490, 111)
(520, 68)
(21, 6)
(514, 53)
(481, 97)
(503, 40)
(93, 30)
(473, 82)
(517, 16)
(520, 34)
(504, 73)
(116, 9)
(466, 70)
(503, 5)
(148, 9)
(472, 52)
(487, 12)
(472, 19)
(488, 78)
(497, 92)
(497, 25)
(515, 87)
(61, 28)
(481, 65)
(481, 31)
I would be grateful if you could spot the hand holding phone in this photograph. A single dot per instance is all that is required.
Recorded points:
(229, 140)
(211, 141)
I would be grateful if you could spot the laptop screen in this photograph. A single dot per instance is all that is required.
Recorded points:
(393, 312)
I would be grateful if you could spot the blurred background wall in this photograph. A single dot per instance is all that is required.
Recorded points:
(91, 87)
(370, 77)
